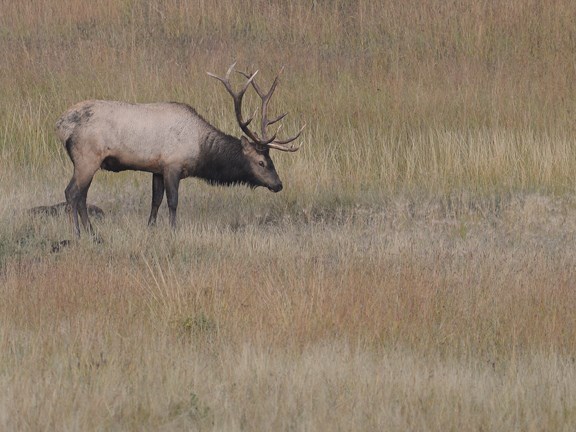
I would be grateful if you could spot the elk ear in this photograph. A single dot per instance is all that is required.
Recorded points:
(246, 144)
(249, 147)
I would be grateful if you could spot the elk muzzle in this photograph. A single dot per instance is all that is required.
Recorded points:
(276, 187)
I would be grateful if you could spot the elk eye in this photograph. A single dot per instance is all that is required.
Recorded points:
(261, 163)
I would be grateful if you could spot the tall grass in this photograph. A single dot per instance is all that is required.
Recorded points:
(381, 86)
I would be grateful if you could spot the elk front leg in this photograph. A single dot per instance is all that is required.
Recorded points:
(83, 210)
(171, 183)
(157, 195)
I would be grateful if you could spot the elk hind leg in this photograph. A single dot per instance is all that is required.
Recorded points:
(71, 193)
(76, 194)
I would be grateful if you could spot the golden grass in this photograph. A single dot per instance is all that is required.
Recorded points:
(375, 83)
(404, 319)
(417, 272)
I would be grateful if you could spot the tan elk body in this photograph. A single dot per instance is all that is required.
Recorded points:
(171, 141)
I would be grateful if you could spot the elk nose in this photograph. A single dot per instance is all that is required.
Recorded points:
(276, 187)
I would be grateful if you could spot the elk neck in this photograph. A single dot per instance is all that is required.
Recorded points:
(222, 161)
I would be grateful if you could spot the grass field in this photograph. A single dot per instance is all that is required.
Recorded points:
(417, 272)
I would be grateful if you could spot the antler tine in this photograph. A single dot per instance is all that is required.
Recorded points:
(277, 119)
(256, 86)
(281, 144)
(226, 79)
(230, 69)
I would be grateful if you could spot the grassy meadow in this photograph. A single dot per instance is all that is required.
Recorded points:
(417, 272)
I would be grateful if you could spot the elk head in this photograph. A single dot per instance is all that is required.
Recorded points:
(257, 148)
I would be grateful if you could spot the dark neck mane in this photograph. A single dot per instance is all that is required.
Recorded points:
(221, 160)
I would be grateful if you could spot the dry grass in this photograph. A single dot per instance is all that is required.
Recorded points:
(426, 315)
(417, 273)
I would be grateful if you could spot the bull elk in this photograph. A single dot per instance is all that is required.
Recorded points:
(171, 141)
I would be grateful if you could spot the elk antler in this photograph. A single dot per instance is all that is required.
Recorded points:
(238, 100)
(270, 142)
